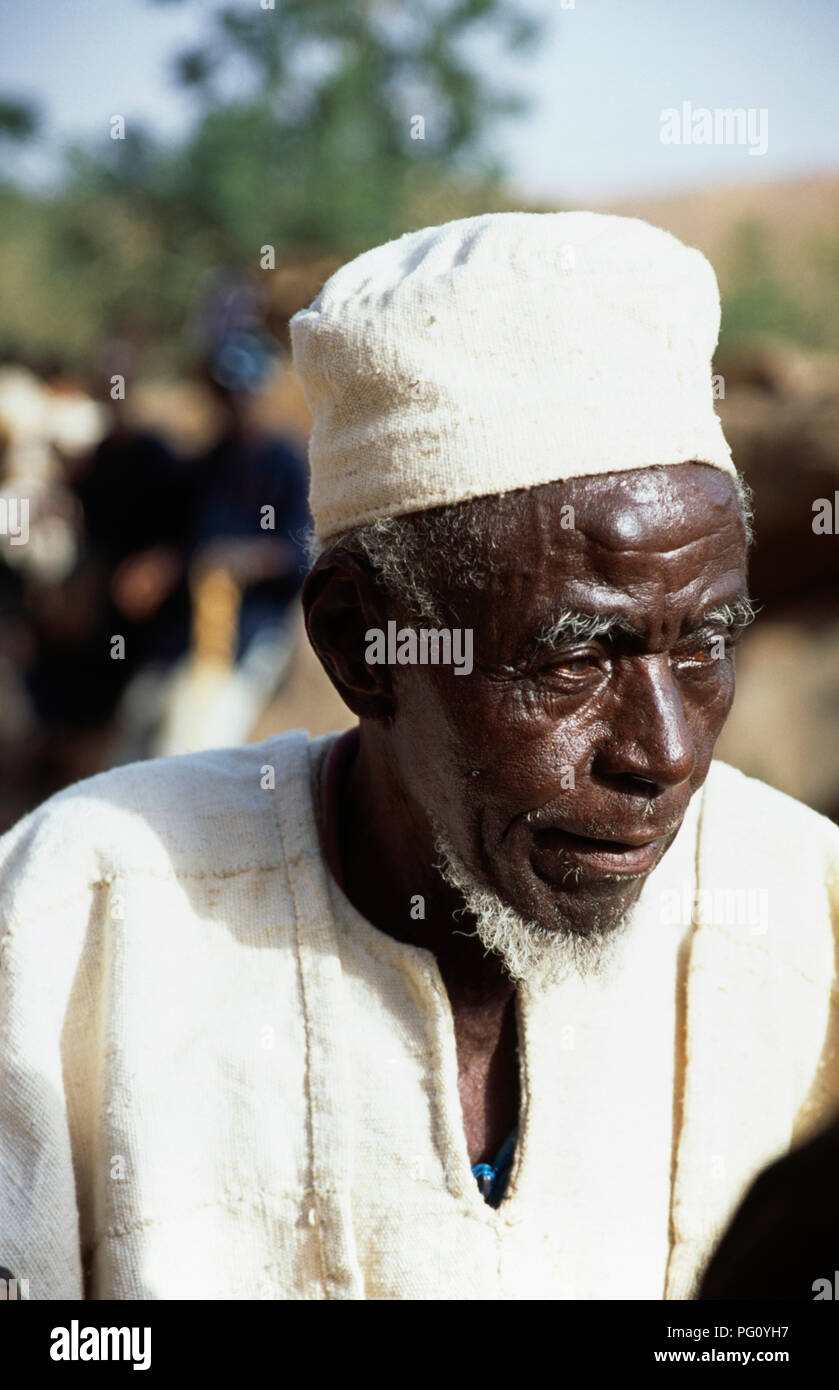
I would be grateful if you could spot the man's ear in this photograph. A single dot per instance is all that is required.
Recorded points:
(341, 603)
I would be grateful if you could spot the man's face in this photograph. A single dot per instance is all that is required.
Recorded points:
(561, 772)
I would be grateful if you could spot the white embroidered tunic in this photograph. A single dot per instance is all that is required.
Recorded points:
(218, 1081)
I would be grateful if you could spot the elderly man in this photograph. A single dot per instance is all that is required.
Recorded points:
(510, 991)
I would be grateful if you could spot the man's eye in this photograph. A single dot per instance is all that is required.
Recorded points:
(703, 655)
(705, 651)
(581, 665)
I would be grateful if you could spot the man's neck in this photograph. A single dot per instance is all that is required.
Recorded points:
(386, 858)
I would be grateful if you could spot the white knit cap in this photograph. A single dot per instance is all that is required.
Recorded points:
(503, 351)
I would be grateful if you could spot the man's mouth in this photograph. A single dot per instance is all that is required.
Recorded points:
(556, 852)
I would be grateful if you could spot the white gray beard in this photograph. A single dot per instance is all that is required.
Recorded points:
(529, 952)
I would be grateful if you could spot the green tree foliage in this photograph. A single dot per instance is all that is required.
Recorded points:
(301, 139)
(305, 133)
(18, 119)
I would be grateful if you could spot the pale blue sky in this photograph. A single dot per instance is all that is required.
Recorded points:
(604, 72)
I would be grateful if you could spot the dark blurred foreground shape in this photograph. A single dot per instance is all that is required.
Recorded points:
(783, 1242)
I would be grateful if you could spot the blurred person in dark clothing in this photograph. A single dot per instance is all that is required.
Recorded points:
(249, 516)
(250, 513)
(105, 559)
(129, 582)
(136, 498)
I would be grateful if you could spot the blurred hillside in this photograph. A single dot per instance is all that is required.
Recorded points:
(775, 248)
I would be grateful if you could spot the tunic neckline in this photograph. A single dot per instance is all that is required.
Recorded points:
(331, 759)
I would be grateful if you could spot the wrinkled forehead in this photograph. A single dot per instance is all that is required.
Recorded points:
(656, 510)
(678, 527)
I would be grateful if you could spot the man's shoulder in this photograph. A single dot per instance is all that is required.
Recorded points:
(761, 816)
(214, 809)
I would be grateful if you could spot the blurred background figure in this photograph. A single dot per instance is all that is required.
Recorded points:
(135, 498)
(247, 551)
(49, 588)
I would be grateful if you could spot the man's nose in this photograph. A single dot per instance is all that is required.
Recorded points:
(649, 738)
